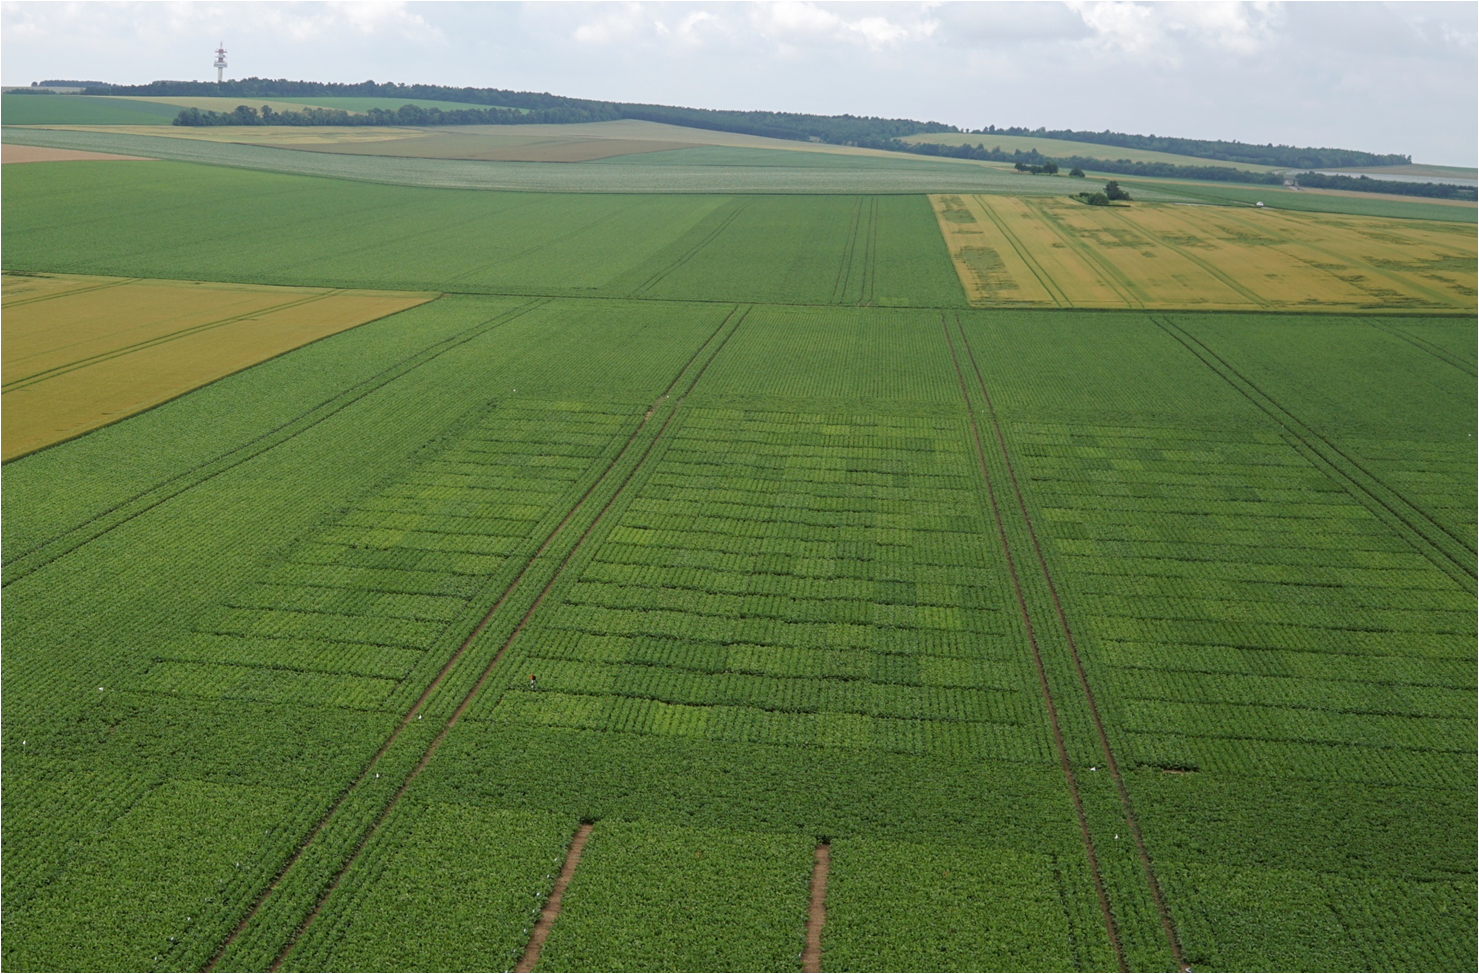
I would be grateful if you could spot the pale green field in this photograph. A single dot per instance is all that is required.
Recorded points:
(1062, 147)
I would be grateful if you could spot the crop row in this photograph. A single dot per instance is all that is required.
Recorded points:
(917, 662)
(950, 739)
(611, 584)
(349, 613)
(671, 684)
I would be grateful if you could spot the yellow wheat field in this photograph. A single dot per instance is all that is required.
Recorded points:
(81, 352)
(1046, 252)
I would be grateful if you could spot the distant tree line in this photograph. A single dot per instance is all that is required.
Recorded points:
(1036, 162)
(1365, 184)
(504, 107)
(1284, 156)
(405, 115)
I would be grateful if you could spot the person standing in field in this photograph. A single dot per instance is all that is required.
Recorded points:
(531, 681)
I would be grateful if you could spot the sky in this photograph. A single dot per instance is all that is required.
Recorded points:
(1400, 77)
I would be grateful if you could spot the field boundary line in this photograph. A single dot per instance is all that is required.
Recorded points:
(126, 510)
(1365, 493)
(529, 959)
(1058, 295)
(22, 302)
(1167, 926)
(839, 285)
(816, 915)
(1423, 345)
(691, 252)
(1042, 676)
(148, 343)
(467, 700)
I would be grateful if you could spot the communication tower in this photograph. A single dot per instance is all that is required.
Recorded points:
(220, 61)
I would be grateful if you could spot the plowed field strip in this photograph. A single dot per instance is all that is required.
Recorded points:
(1465, 367)
(816, 917)
(457, 656)
(1042, 677)
(1155, 887)
(471, 694)
(59, 546)
(1448, 552)
(551, 911)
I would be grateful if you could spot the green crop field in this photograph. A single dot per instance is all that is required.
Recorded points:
(82, 110)
(700, 583)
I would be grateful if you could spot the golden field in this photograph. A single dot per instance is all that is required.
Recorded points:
(1058, 252)
(82, 352)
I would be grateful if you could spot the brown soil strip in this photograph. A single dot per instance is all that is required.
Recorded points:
(34, 153)
(551, 911)
(1042, 677)
(467, 700)
(447, 668)
(811, 957)
(1083, 679)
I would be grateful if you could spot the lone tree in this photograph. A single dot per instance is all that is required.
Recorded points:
(1076, 173)
(1113, 191)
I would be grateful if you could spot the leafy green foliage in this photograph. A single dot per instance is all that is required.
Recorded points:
(683, 899)
(786, 615)
(958, 908)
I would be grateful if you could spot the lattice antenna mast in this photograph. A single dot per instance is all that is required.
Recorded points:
(220, 61)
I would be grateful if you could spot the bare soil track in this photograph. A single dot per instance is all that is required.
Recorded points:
(1042, 678)
(1155, 887)
(816, 918)
(551, 911)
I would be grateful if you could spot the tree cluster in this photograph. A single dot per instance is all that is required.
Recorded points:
(1048, 168)
(1365, 184)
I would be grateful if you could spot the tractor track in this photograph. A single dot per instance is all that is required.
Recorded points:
(467, 643)
(503, 649)
(37, 557)
(1124, 795)
(551, 911)
(816, 916)
(1042, 677)
(1436, 540)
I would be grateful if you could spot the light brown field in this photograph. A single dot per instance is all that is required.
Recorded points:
(1046, 252)
(82, 352)
(34, 153)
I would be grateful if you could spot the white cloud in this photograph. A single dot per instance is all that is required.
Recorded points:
(1377, 76)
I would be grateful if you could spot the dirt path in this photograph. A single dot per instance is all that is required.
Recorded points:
(816, 918)
(1042, 677)
(1124, 795)
(551, 911)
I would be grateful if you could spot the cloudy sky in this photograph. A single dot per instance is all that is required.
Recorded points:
(1396, 77)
